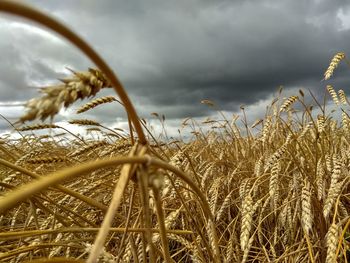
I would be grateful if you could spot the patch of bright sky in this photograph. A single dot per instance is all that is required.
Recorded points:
(345, 19)
(34, 29)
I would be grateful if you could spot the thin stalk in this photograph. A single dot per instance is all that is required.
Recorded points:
(61, 188)
(163, 230)
(12, 198)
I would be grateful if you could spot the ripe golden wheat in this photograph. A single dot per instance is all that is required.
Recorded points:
(276, 193)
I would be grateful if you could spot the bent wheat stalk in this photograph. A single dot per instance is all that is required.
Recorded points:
(62, 188)
(30, 233)
(116, 199)
(21, 193)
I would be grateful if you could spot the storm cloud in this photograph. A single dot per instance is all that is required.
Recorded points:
(172, 54)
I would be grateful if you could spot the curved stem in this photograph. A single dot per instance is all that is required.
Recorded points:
(23, 192)
(162, 227)
(66, 190)
(11, 235)
(20, 9)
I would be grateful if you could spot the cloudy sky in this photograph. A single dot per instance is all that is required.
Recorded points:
(172, 54)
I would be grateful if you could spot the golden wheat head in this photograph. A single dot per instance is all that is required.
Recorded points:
(333, 65)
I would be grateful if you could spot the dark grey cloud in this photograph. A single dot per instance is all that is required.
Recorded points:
(172, 54)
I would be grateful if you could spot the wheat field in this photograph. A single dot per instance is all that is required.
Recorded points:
(274, 191)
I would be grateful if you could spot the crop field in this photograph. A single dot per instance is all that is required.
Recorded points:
(274, 191)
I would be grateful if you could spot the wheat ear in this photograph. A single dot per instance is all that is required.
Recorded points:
(342, 96)
(334, 64)
(80, 86)
(84, 122)
(247, 221)
(333, 94)
(306, 213)
(46, 160)
(94, 103)
(332, 242)
(37, 127)
(88, 148)
(288, 102)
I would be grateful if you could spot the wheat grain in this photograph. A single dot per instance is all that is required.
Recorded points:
(84, 122)
(80, 86)
(333, 94)
(320, 123)
(206, 175)
(333, 193)
(288, 102)
(230, 248)
(28, 156)
(282, 218)
(334, 64)
(345, 121)
(47, 160)
(329, 164)
(244, 188)
(332, 242)
(210, 227)
(37, 127)
(320, 180)
(276, 156)
(88, 148)
(305, 130)
(342, 96)
(214, 194)
(274, 183)
(258, 168)
(225, 204)
(208, 102)
(306, 213)
(92, 129)
(336, 172)
(247, 221)
(343, 210)
(94, 103)
(247, 249)
(266, 129)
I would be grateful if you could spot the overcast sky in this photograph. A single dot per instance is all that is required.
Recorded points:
(172, 54)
